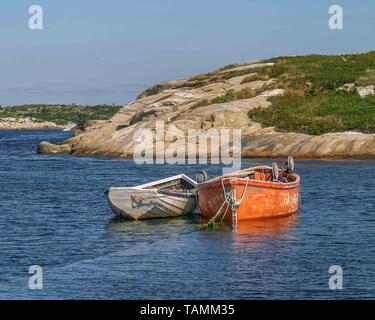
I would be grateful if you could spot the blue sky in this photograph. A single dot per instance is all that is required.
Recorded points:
(93, 51)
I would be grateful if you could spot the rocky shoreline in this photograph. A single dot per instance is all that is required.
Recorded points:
(26, 123)
(183, 105)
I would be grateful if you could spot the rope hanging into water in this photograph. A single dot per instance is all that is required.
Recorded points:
(231, 202)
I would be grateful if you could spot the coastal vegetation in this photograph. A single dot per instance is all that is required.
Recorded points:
(321, 94)
(232, 95)
(59, 114)
(289, 96)
(316, 114)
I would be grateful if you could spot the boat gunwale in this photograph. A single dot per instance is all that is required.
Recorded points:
(233, 181)
(161, 193)
(146, 186)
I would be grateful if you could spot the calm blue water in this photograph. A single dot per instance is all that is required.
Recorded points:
(53, 213)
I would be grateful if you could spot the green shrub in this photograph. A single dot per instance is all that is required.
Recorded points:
(317, 114)
(315, 103)
(322, 72)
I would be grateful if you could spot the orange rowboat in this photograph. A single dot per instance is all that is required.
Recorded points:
(254, 193)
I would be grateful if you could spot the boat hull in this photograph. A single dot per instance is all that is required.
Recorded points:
(262, 199)
(139, 204)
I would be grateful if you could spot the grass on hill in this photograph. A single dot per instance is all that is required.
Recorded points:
(314, 103)
(60, 114)
(232, 95)
(229, 95)
(317, 114)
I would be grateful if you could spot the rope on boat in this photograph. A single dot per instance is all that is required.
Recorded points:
(231, 202)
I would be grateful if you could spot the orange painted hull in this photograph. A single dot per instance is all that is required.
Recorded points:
(262, 199)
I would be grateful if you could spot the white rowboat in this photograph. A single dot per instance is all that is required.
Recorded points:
(170, 197)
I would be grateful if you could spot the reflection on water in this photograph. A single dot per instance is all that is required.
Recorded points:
(266, 227)
(250, 233)
(54, 213)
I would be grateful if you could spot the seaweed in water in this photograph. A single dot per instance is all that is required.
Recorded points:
(209, 226)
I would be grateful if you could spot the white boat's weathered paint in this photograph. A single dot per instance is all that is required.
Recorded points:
(149, 200)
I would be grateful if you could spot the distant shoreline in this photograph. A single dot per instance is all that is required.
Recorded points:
(58, 115)
(32, 129)
(27, 123)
